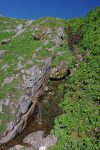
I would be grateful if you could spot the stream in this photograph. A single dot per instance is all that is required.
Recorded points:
(50, 110)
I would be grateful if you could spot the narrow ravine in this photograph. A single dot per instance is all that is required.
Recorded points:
(50, 102)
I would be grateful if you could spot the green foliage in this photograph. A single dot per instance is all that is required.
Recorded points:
(5, 35)
(75, 23)
(91, 32)
(78, 127)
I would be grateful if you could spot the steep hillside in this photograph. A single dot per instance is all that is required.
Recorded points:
(73, 44)
(78, 127)
(24, 44)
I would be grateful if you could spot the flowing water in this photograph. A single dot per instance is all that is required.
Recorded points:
(50, 110)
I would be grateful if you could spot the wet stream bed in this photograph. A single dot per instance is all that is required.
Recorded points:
(50, 110)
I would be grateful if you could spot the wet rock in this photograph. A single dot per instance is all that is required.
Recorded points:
(38, 141)
(2, 52)
(5, 41)
(59, 72)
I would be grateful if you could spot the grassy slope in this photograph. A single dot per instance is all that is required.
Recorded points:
(25, 46)
(78, 127)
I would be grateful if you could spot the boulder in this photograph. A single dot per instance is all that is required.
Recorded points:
(21, 147)
(59, 72)
(34, 139)
(5, 41)
(38, 141)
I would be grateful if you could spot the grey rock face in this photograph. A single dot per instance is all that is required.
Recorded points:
(19, 32)
(28, 102)
(19, 29)
(31, 77)
(20, 26)
(60, 32)
(23, 106)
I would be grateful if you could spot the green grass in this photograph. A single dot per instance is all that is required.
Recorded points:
(6, 35)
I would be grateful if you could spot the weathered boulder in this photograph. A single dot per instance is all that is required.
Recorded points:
(38, 141)
(37, 37)
(59, 72)
(5, 41)
(34, 139)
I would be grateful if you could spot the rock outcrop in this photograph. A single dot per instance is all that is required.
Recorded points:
(60, 71)
(28, 102)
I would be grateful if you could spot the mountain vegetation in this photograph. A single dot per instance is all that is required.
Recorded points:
(25, 43)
